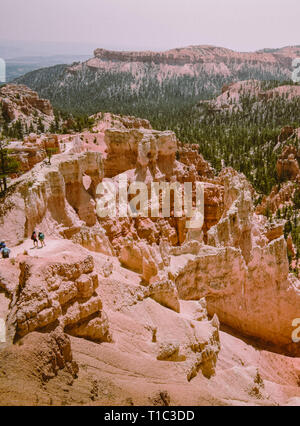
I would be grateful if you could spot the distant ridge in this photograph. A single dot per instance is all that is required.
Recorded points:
(143, 82)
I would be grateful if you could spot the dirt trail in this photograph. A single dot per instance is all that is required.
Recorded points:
(53, 247)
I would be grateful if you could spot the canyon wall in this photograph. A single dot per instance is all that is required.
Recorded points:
(238, 261)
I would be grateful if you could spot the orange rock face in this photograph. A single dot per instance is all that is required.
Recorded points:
(277, 198)
(190, 156)
(288, 172)
(288, 164)
(133, 295)
(33, 150)
(54, 291)
(20, 102)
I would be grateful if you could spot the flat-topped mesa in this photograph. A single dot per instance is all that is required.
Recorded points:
(168, 58)
(196, 54)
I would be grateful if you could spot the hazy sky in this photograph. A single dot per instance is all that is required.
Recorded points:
(154, 24)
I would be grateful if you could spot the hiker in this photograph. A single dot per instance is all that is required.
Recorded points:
(34, 239)
(5, 251)
(42, 239)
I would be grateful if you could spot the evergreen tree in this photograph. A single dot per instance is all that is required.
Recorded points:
(8, 165)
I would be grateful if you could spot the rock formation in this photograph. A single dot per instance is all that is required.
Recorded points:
(288, 173)
(53, 197)
(112, 298)
(53, 294)
(194, 55)
(232, 96)
(190, 156)
(202, 69)
(33, 149)
(288, 164)
(18, 102)
(256, 285)
(126, 149)
(29, 366)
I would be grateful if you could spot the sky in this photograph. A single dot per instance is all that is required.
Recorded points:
(243, 25)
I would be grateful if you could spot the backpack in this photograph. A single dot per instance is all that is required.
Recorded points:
(33, 236)
(41, 236)
(5, 253)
